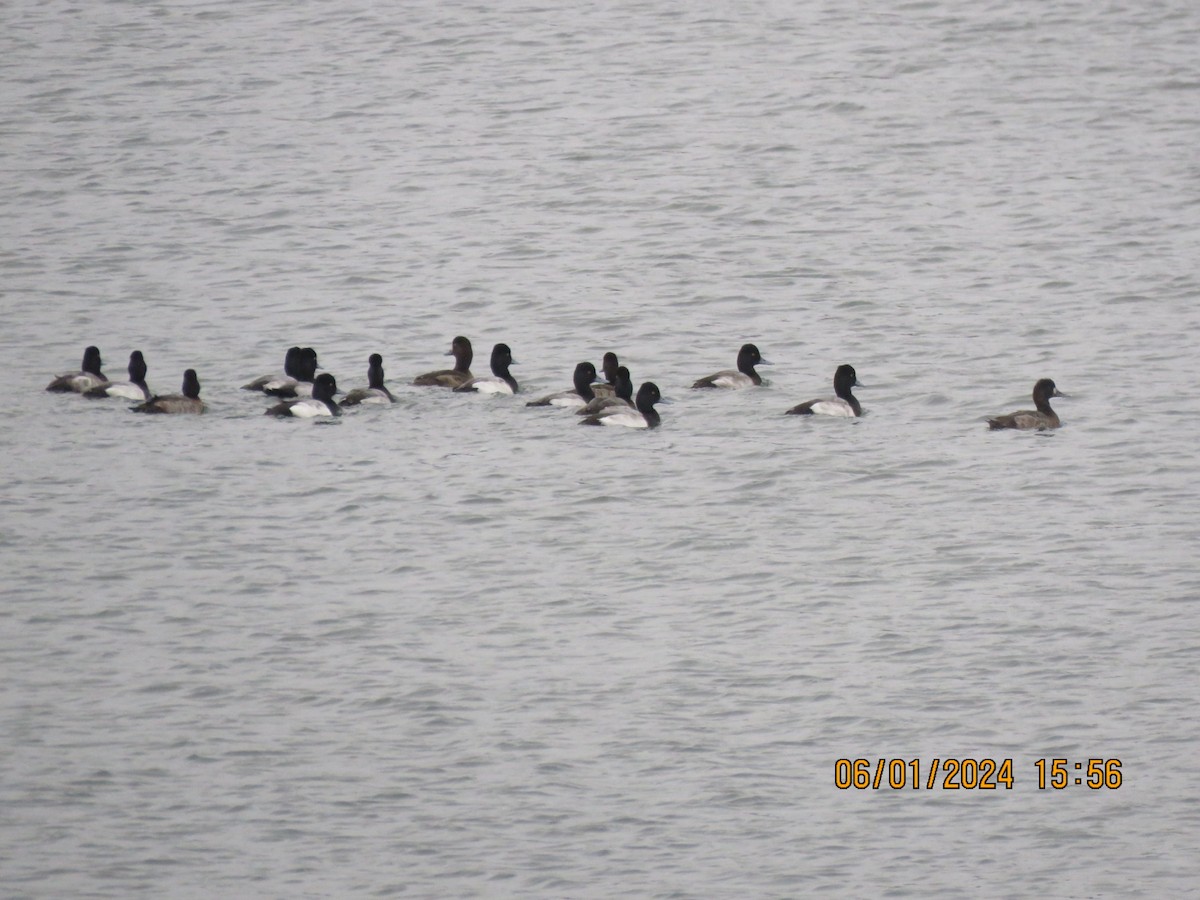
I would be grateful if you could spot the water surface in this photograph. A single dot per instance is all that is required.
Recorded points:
(458, 647)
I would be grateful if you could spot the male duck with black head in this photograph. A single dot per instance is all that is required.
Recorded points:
(643, 415)
(501, 380)
(133, 389)
(89, 375)
(580, 395)
(1041, 419)
(321, 403)
(300, 382)
(743, 377)
(845, 404)
(290, 371)
(460, 349)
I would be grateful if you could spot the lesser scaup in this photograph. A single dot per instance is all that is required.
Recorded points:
(644, 416)
(321, 403)
(745, 376)
(289, 372)
(460, 349)
(88, 376)
(608, 368)
(844, 404)
(501, 382)
(376, 391)
(622, 395)
(186, 402)
(1029, 420)
(133, 389)
(585, 374)
(300, 383)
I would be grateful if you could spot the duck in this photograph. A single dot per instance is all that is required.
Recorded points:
(133, 389)
(623, 397)
(643, 416)
(608, 368)
(1042, 419)
(88, 376)
(321, 403)
(501, 382)
(289, 372)
(844, 404)
(460, 349)
(745, 376)
(582, 393)
(376, 391)
(188, 401)
(300, 383)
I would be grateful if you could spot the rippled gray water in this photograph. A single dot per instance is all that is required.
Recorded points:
(462, 648)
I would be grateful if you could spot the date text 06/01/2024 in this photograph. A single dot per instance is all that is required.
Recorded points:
(972, 774)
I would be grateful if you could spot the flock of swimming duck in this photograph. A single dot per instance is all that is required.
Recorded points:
(302, 393)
